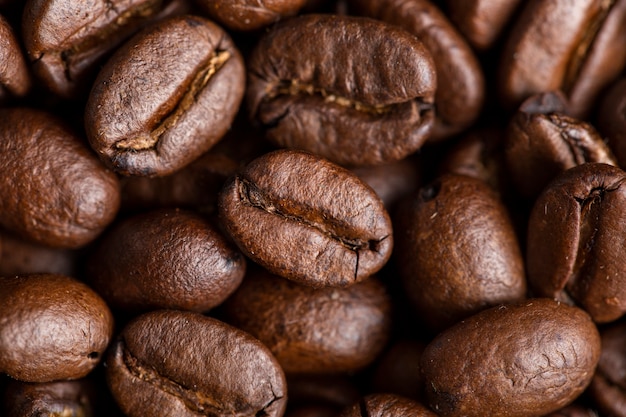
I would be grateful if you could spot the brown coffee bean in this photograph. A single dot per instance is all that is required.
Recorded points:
(246, 15)
(611, 120)
(482, 21)
(350, 89)
(15, 80)
(578, 47)
(521, 360)
(542, 141)
(313, 331)
(457, 250)
(67, 40)
(57, 193)
(383, 405)
(151, 114)
(460, 82)
(306, 219)
(185, 364)
(165, 259)
(52, 327)
(574, 240)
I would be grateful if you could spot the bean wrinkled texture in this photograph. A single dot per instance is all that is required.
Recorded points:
(312, 208)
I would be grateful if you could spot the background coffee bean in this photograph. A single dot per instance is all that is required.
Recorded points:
(379, 405)
(247, 15)
(15, 79)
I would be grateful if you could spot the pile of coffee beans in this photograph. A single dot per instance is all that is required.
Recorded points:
(312, 208)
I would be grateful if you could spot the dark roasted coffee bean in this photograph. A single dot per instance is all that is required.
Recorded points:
(307, 219)
(58, 192)
(612, 119)
(384, 405)
(542, 141)
(482, 21)
(457, 250)
(51, 399)
(521, 360)
(313, 331)
(350, 89)
(151, 114)
(575, 240)
(67, 40)
(461, 85)
(52, 327)
(15, 79)
(185, 364)
(244, 15)
(165, 258)
(578, 47)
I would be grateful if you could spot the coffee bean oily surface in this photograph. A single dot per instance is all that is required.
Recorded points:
(244, 15)
(184, 364)
(165, 97)
(575, 237)
(66, 40)
(165, 259)
(353, 90)
(524, 359)
(15, 78)
(381, 405)
(306, 219)
(52, 327)
(54, 191)
(314, 331)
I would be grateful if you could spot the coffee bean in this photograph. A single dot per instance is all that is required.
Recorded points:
(15, 80)
(151, 114)
(525, 359)
(574, 241)
(247, 15)
(353, 90)
(58, 193)
(306, 219)
(381, 405)
(165, 259)
(182, 363)
(52, 327)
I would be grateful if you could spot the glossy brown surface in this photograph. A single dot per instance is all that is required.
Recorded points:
(248, 15)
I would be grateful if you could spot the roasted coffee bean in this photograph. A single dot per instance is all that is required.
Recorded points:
(52, 327)
(306, 219)
(60, 398)
(612, 119)
(608, 387)
(457, 250)
(460, 82)
(57, 193)
(184, 364)
(15, 78)
(314, 331)
(482, 21)
(521, 360)
(67, 40)
(575, 239)
(350, 89)
(245, 15)
(383, 405)
(151, 114)
(578, 47)
(542, 141)
(165, 258)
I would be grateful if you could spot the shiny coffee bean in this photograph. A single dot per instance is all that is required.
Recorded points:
(306, 219)
(384, 404)
(151, 114)
(165, 258)
(15, 80)
(313, 331)
(185, 364)
(58, 192)
(353, 90)
(575, 241)
(542, 141)
(52, 327)
(460, 82)
(457, 252)
(578, 47)
(247, 15)
(68, 40)
(521, 360)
